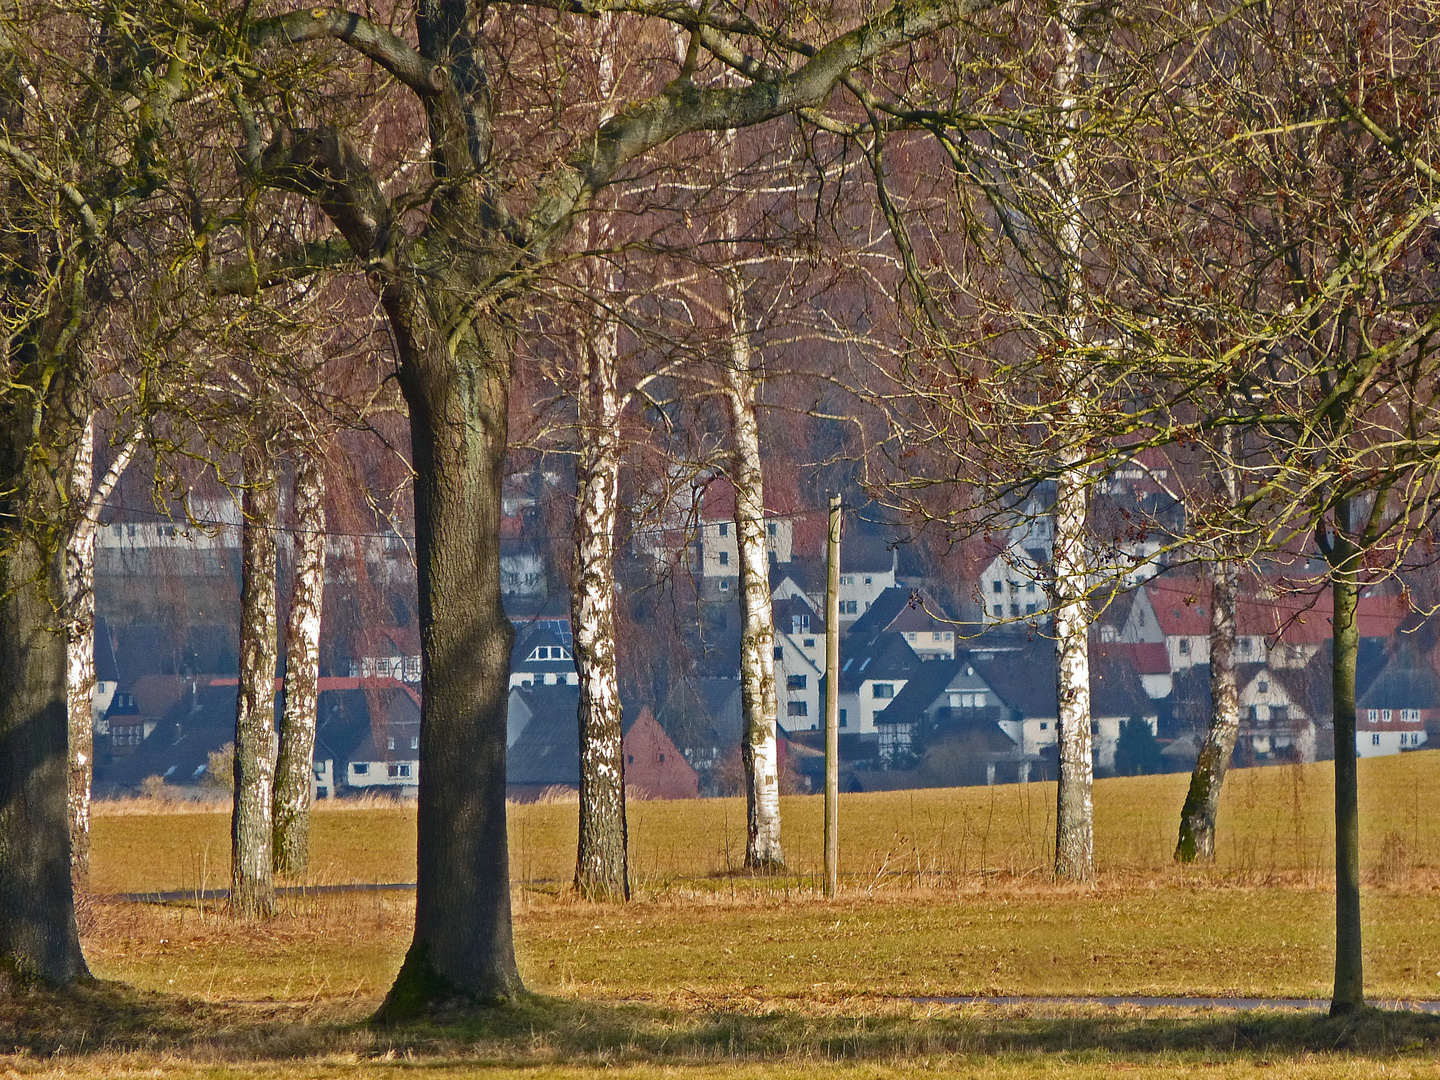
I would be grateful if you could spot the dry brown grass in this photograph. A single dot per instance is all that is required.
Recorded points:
(722, 975)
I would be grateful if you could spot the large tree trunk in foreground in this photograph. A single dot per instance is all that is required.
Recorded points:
(1197, 818)
(294, 767)
(252, 883)
(759, 750)
(1344, 560)
(38, 936)
(458, 397)
(601, 867)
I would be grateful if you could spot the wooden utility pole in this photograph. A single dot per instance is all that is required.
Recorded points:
(832, 702)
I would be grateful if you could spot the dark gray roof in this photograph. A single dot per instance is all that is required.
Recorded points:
(105, 669)
(889, 656)
(881, 613)
(1024, 679)
(1116, 689)
(920, 692)
(548, 750)
(866, 553)
(1402, 687)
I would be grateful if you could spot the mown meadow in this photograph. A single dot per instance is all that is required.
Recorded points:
(711, 972)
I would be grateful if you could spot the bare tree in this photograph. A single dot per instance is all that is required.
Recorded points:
(441, 271)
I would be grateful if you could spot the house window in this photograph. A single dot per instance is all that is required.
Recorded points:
(1029, 609)
(799, 624)
(405, 770)
(1410, 715)
(1014, 609)
(809, 643)
(1375, 739)
(1385, 716)
(849, 607)
(1244, 644)
(779, 652)
(662, 759)
(1184, 647)
(937, 636)
(629, 759)
(1264, 687)
(361, 768)
(1044, 725)
(996, 587)
(998, 610)
(1030, 587)
(390, 744)
(842, 716)
(795, 682)
(724, 528)
(869, 580)
(882, 690)
(771, 528)
(1372, 715)
(1094, 727)
(797, 708)
(414, 742)
(724, 558)
(725, 586)
(394, 770)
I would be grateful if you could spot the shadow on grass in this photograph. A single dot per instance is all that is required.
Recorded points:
(103, 1017)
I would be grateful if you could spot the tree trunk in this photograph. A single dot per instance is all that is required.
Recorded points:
(601, 868)
(78, 588)
(1197, 818)
(1344, 562)
(1074, 809)
(79, 592)
(38, 935)
(252, 885)
(457, 392)
(759, 750)
(302, 671)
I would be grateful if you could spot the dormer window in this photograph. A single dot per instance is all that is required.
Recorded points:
(549, 652)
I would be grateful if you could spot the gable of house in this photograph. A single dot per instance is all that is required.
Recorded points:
(654, 766)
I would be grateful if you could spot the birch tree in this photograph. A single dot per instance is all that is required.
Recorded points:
(252, 882)
(78, 582)
(295, 759)
(759, 750)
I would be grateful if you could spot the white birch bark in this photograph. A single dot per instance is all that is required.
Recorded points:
(601, 871)
(302, 670)
(759, 749)
(252, 883)
(1202, 800)
(78, 573)
(1074, 816)
(601, 855)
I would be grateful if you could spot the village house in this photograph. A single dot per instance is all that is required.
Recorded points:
(719, 546)
(542, 654)
(799, 661)
(1393, 713)
(654, 766)
(871, 675)
(912, 615)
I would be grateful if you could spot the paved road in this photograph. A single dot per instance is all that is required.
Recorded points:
(287, 890)
(1241, 1003)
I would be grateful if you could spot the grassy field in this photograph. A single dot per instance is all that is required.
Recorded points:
(710, 973)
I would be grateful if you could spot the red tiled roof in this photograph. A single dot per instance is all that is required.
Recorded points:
(1182, 608)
